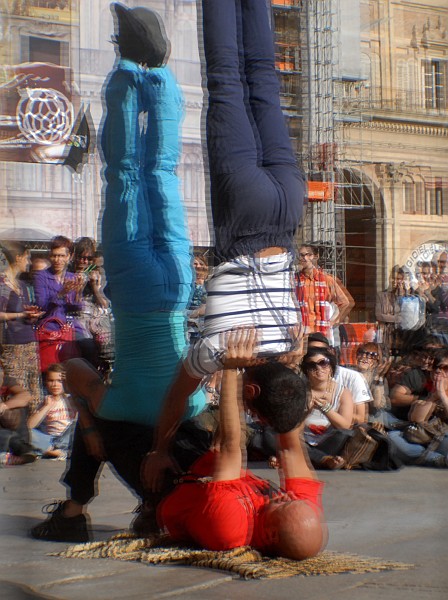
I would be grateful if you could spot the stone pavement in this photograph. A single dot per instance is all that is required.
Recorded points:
(398, 516)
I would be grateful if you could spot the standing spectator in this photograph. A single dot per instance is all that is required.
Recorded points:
(400, 312)
(52, 425)
(316, 292)
(196, 310)
(58, 292)
(437, 300)
(19, 350)
(93, 301)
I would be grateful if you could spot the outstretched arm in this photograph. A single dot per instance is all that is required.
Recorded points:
(240, 345)
(159, 459)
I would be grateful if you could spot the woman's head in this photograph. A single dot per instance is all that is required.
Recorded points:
(319, 363)
(440, 364)
(17, 255)
(84, 253)
(200, 267)
(368, 356)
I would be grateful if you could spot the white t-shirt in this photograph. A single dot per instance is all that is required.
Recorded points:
(355, 383)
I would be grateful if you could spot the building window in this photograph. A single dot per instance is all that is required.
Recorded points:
(434, 81)
(438, 200)
(414, 198)
(43, 50)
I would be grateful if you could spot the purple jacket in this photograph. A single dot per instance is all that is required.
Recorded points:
(46, 290)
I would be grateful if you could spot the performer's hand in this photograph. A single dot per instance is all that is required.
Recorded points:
(241, 351)
(294, 356)
(153, 467)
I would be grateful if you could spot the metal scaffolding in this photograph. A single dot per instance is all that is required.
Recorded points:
(331, 101)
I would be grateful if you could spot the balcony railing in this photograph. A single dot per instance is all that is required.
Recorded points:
(359, 98)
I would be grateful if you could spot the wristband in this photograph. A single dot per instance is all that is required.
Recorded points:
(325, 408)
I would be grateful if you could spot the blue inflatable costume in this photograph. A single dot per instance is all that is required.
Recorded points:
(144, 234)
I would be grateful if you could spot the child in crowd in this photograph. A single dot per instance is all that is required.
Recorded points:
(53, 423)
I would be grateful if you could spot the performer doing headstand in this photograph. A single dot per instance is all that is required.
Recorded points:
(256, 196)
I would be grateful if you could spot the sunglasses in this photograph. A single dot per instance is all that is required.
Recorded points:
(313, 366)
(83, 258)
(443, 368)
(367, 354)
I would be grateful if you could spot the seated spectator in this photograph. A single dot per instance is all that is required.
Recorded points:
(413, 384)
(52, 425)
(415, 357)
(420, 411)
(15, 448)
(369, 362)
(326, 427)
(348, 378)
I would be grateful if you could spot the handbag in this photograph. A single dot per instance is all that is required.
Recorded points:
(371, 449)
(424, 433)
(360, 448)
(55, 345)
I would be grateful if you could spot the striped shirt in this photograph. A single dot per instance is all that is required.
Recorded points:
(59, 417)
(246, 291)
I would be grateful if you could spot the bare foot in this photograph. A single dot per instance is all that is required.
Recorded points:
(334, 463)
(55, 453)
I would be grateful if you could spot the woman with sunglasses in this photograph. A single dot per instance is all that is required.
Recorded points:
(369, 362)
(93, 301)
(331, 410)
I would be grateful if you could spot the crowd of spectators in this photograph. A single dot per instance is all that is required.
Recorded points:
(52, 308)
(396, 382)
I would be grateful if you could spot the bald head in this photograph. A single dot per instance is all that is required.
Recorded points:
(301, 532)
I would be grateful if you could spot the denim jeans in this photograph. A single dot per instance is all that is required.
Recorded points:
(257, 189)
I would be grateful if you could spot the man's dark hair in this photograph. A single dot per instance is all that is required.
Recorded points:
(318, 337)
(60, 241)
(283, 398)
